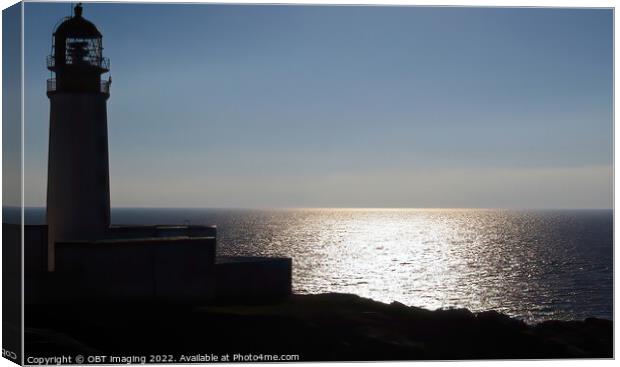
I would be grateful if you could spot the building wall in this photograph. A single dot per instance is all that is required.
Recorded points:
(254, 279)
(147, 268)
(141, 270)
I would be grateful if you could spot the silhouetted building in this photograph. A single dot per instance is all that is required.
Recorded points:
(78, 256)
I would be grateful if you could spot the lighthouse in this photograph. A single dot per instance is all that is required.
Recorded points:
(92, 260)
(78, 188)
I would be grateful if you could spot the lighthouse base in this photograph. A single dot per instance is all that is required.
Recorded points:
(159, 264)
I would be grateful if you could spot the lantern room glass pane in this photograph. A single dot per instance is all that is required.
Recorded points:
(85, 51)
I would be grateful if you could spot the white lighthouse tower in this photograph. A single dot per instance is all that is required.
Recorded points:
(78, 189)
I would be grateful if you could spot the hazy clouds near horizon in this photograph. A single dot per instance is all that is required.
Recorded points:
(279, 106)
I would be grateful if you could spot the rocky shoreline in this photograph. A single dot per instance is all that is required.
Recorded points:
(322, 327)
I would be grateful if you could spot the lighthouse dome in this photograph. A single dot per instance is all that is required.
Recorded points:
(77, 27)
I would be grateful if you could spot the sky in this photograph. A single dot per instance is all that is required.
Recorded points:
(341, 106)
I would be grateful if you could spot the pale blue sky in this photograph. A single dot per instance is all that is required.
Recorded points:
(301, 106)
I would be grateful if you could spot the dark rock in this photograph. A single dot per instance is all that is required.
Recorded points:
(323, 327)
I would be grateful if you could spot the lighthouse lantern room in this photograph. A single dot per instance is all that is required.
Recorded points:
(77, 57)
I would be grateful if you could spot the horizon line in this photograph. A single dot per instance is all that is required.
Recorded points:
(326, 208)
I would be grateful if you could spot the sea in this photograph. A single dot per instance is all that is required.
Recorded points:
(530, 264)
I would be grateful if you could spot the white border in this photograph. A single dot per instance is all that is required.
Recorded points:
(480, 3)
